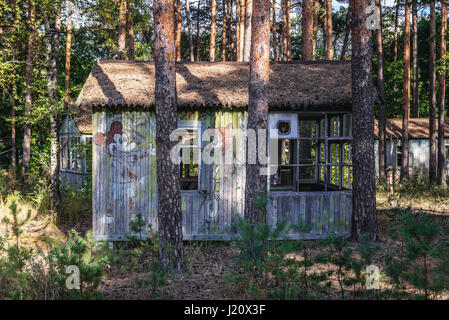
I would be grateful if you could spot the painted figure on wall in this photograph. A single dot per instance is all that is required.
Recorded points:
(126, 150)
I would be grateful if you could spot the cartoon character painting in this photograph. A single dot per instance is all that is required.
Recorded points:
(126, 150)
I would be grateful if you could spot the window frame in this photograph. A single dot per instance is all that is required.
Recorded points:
(192, 125)
(322, 166)
(83, 157)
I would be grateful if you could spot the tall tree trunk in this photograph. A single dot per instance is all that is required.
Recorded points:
(178, 27)
(415, 106)
(122, 30)
(52, 30)
(328, 35)
(406, 95)
(237, 29)
(198, 44)
(189, 28)
(316, 6)
(213, 27)
(247, 36)
(131, 51)
(348, 30)
(68, 54)
(307, 30)
(381, 88)
(364, 219)
(432, 98)
(26, 154)
(274, 32)
(396, 16)
(256, 183)
(284, 31)
(13, 99)
(241, 41)
(288, 31)
(442, 101)
(169, 198)
(223, 32)
(230, 24)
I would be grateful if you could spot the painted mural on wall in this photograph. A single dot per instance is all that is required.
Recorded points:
(126, 144)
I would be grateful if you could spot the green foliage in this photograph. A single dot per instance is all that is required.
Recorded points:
(38, 273)
(138, 257)
(421, 258)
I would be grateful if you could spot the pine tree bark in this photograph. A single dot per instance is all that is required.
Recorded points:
(364, 219)
(178, 29)
(316, 6)
(52, 30)
(231, 46)
(26, 153)
(395, 37)
(432, 98)
(247, 35)
(198, 44)
(288, 34)
(284, 31)
(241, 41)
(189, 28)
(131, 50)
(381, 88)
(122, 30)
(406, 95)
(307, 30)
(13, 98)
(442, 100)
(274, 32)
(213, 29)
(328, 34)
(223, 32)
(68, 54)
(348, 30)
(169, 198)
(258, 105)
(415, 101)
(237, 29)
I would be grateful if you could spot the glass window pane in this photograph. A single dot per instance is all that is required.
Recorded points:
(307, 128)
(283, 178)
(307, 151)
(188, 136)
(64, 164)
(189, 168)
(307, 174)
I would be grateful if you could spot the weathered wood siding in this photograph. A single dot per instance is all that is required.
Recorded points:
(125, 184)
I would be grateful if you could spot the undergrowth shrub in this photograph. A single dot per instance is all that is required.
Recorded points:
(138, 258)
(422, 258)
(40, 272)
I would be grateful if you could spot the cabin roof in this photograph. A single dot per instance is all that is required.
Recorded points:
(295, 86)
(418, 128)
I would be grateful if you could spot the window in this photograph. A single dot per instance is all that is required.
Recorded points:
(190, 152)
(76, 153)
(315, 156)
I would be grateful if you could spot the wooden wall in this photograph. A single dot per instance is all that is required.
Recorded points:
(124, 183)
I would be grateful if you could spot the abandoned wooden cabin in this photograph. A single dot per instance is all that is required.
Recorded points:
(309, 104)
(418, 131)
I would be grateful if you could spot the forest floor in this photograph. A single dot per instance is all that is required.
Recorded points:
(208, 264)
